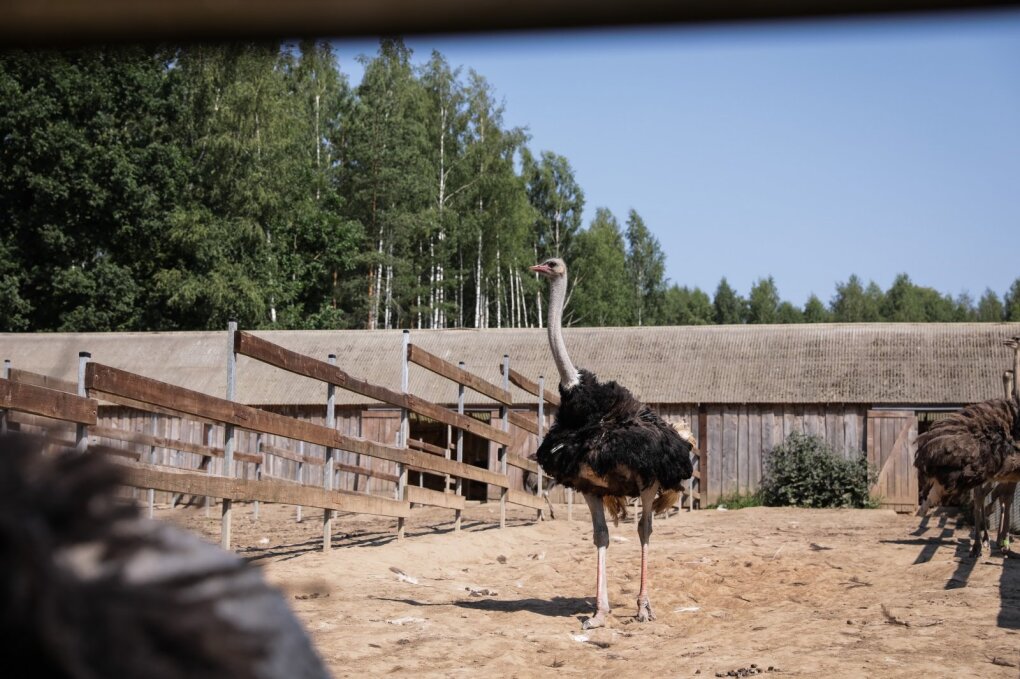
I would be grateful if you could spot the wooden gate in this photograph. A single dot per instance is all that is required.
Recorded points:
(892, 443)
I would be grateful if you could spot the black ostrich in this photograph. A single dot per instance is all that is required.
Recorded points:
(976, 446)
(87, 589)
(609, 446)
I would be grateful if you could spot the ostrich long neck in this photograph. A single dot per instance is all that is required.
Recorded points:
(1016, 374)
(557, 298)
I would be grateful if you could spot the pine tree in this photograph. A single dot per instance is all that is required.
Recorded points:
(989, 308)
(763, 304)
(602, 294)
(815, 311)
(729, 307)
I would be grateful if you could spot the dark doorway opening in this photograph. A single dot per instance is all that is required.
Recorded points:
(476, 453)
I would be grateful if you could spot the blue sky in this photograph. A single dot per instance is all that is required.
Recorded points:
(805, 151)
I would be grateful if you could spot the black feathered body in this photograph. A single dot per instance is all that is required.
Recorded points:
(88, 589)
(977, 444)
(607, 443)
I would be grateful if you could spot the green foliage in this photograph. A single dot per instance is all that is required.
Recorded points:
(803, 471)
(1011, 302)
(602, 294)
(686, 306)
(763, 305)
(728, 306)
(646, 267)
(815, 311)
(171, 188)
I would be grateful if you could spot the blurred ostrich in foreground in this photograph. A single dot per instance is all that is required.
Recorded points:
(609, 446)
(88, 590)
(970, 448)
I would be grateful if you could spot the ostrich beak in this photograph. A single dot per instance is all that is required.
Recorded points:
(540, 268)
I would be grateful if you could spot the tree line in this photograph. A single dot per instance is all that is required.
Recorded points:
(176, 187)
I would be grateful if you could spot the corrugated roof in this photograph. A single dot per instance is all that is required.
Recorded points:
(875, 363)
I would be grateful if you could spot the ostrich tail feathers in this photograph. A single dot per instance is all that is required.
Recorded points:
(664, 500)
(616, 507)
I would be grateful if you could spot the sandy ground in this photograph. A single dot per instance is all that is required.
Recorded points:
(809, 593)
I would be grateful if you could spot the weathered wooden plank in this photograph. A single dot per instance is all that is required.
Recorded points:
(519, 497)
(59, 405)
(287, 454)
(434, 498)
(531, 386)
(424, 446)
(729, 451)
(522, 462)
(364, 471)
(754, 448)
(200, 483)
(743, 450)
(105, 379)
(834, 429)
(45, 381)
(299, 364)
(40, 421)
(715, 456)
(443, 368)
(528, 424)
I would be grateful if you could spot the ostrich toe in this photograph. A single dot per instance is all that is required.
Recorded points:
(644, 610)
(597, 620)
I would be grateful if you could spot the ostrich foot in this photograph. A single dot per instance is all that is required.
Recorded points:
(644, 610)
(975, 549)
(597, 620)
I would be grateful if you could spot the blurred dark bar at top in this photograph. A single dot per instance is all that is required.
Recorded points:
(52, 23)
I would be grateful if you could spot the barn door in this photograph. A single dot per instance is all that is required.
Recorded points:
(892, 442)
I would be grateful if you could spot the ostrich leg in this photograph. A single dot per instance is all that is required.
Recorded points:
(644, 608)
(980, 522)
(601, 536)
(1005, 491)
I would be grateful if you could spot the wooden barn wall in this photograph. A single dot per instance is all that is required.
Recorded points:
(738, 438)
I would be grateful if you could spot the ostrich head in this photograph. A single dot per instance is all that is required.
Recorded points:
(553, 268)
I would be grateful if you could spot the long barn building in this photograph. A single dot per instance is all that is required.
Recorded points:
(866, 388)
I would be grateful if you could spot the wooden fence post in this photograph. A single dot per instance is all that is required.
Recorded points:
(210, 434)
(505, 415)
(229, 437)
(327, 468)
(541, 432)
(404, 429)
(460, 449)
(3, 413)
(81, 437)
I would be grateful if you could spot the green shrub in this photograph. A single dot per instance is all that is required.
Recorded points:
(804, 471)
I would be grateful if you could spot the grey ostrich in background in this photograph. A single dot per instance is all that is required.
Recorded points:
(88, 589)
(609, 446)
(975, 446)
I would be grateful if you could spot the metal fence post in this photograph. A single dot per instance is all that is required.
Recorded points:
(460, 450)
(3, 413)
(405, 427)
(229, 437)
(505, 415)
(327, 468)
(259, 439)
(81, 437)
(541, 431)
(152, 460)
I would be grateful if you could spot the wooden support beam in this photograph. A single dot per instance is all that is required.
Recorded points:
(418, 444)
(107, 380)
(39, 380)
(526, 423)
(456, 374)
(434, 498)
(59, 405)
(522, 462)
(519, 497)
(170, 444)
(531, 387)
(299, 364)
(199, 483)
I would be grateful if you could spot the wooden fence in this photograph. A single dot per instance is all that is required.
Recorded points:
(42, 402)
